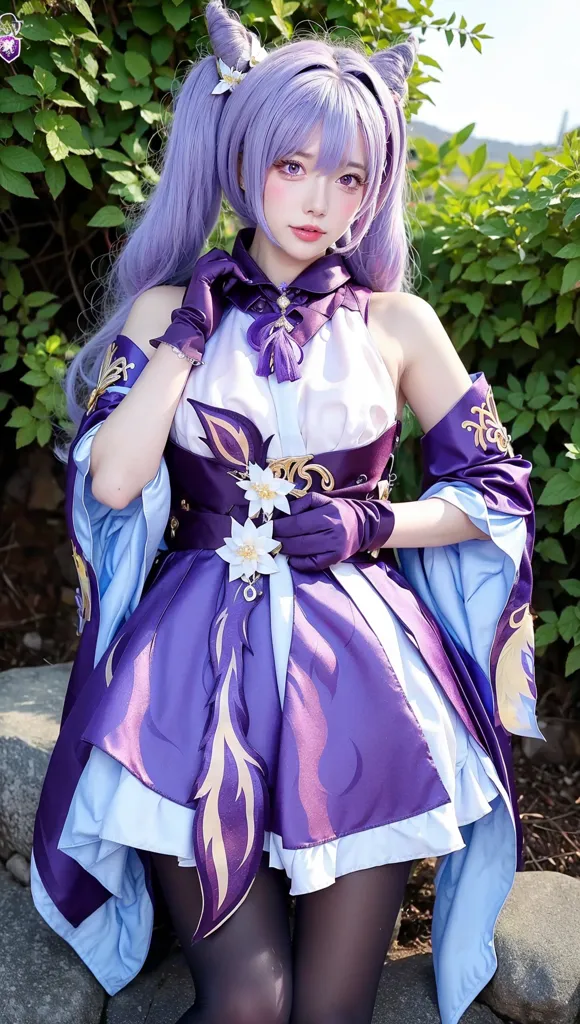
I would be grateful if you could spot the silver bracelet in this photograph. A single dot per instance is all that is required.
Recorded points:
(182, 355)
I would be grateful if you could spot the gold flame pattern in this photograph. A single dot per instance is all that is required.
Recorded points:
(110, 372)
(225, 736)
(489, 429)
(84, 583)
(511, 680)
(298, 466)
(215, 423)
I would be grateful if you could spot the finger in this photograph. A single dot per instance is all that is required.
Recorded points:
(312, 563)
(304, 522)
(305, 545)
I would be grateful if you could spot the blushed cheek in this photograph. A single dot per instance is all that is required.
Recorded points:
(349, 205)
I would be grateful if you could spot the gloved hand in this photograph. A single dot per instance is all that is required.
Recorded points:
(203, 306)
(322, 530)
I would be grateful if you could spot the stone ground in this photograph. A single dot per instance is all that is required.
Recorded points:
(42, 981)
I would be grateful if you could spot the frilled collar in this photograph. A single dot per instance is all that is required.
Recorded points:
(322, 277)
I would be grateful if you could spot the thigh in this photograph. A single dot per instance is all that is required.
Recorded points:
(341, 937)
(243, 970)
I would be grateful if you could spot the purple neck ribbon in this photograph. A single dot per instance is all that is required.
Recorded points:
(270, 333)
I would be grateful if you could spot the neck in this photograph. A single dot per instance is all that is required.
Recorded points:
(278, 265)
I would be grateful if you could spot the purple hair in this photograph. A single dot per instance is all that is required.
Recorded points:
(269, 114)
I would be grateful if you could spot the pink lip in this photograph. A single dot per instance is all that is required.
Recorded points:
(308, 234)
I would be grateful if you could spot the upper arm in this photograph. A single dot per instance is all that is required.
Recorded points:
(150, 314)
(433, 377)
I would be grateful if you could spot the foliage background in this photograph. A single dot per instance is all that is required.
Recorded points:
(83, 116)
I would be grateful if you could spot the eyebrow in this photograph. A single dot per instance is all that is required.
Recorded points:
(308, 156)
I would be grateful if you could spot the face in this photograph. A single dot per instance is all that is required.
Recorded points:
(297, 196)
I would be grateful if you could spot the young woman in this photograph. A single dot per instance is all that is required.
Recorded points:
(264, 697)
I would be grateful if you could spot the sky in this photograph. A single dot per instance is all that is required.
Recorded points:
(518, 88)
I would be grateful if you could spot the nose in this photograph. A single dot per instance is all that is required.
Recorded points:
(316, 201)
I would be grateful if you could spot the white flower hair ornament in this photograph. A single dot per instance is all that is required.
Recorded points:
(230, 77)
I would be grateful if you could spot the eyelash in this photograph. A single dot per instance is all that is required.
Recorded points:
(296, 163)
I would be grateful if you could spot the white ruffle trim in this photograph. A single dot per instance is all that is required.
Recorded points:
(112, 811)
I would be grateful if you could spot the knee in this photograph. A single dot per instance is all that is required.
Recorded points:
(268, 1003)
(246, 1008)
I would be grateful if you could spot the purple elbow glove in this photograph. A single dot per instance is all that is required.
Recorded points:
(322, 530)
(203, 305)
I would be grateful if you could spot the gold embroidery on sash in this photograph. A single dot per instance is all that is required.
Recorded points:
(297, 466)
(110, 372)
(489, 429)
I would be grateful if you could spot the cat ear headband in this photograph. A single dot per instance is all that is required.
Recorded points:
(231, 76)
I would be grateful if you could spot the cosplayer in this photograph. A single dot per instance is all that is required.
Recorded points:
(266, 698)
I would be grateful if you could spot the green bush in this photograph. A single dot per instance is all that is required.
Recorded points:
(500, 261)
(83, 113)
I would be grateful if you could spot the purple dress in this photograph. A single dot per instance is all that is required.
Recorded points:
(337, 720)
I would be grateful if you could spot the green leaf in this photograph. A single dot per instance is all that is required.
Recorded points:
(84, 9)
(478, 158)
(546, 634)
(64, 99)
(137, 65)
(572, 661)
(20, 417)
(78, 170)
(15, 183)
(42, 28)
(551, 551)
(564, 311)
(528, 335)
(475, 303)
(570, 251)
(176, 16)
(36, 378)
(45, 79)
(148, 19)
(26, 435)
(17, 158)
(571, 587)
(161, 47)
(44, 433)
(540, 457)
(522, 424)
(462, 136)
(39, 298)
(107, 217)
(571, 276)
(10, 102)
(572, 212)
(559, 489)
(55, 178)
(24, 85)
(46, 120)
(56, 147)
(572, 517)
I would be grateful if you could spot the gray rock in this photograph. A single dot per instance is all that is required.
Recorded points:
(407, 995)
(31, 702)
(42, 980)
(537, 940)
(19, 868)
(157, 998)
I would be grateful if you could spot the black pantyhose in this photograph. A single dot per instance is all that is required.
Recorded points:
(249, 971)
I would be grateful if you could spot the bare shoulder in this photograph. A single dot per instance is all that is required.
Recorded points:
(150, 314)
(407, 321)
(432, 376)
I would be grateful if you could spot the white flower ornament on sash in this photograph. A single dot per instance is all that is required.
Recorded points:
(264, 491)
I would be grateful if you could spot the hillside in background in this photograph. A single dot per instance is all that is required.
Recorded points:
(496, 149)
